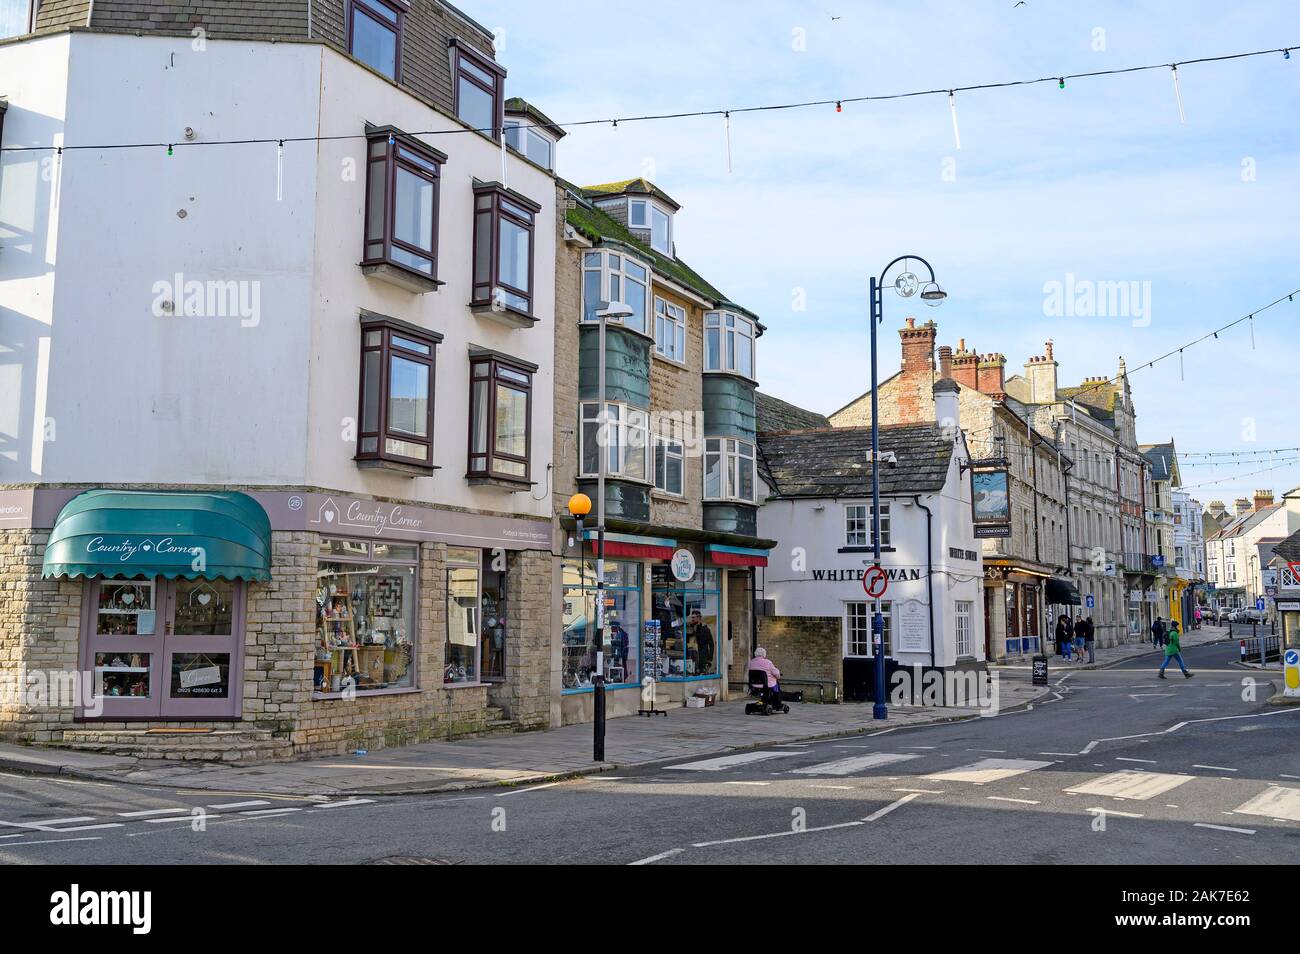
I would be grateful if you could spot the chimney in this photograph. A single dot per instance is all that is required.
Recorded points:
(991, 371)
(1263, 499)
(965, 366)
(945, 361)
(1040, 372)
(947, 406)
(1217, 509)
(918, 346)
(1240, 506)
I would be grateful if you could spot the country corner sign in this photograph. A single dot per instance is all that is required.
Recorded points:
(991, 502)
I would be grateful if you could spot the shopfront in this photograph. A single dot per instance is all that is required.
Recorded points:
(1014, 609)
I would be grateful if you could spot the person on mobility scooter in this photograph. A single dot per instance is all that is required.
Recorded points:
(763, 683)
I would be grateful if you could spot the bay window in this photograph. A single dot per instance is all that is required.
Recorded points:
(374, 34)
(401, 218)
(612, 276)
(670, 330)
(625, 440)
(500, 415)
(729, 472)
(396, 414)
(503, 249)
(478, 86)
(728, 343)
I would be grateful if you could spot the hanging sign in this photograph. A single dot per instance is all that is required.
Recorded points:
(991, 502)
(683, 565)
(875, 581)
(200, 676)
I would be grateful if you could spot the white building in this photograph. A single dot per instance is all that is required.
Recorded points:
(257, 329)
(817, 482)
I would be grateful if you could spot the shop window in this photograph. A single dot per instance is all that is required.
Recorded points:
(622, 624)
(614, 277)
(375, 34)
(625, 438)
(479, 83)
(686, 617)
(461, 656)
(500, 415)
(503, 249)
(496, 617)
(729, 472)
(366, 625)
(401, 219)
(857, 627)
(396, 417)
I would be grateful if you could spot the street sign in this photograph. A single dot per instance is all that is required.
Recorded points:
(875, 581)
(1260, 604)
(1157, 560)
(1291, 673)
(1090, 601)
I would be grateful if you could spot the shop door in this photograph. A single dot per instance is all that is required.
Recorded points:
(164, 649)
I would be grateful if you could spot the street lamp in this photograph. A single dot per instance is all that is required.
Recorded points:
(906, 285)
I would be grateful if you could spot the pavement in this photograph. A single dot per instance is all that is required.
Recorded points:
(1112, 766)
(565, 752)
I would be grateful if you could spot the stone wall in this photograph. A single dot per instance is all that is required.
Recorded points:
(804, 647)
(526, 695)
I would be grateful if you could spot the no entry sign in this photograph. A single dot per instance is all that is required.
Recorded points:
(875, 581)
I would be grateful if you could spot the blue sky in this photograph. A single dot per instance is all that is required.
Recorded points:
(1100, 181)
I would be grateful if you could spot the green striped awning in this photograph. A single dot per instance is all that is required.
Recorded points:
(185, 534)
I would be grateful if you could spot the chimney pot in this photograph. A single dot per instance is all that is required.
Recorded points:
(1048, 347)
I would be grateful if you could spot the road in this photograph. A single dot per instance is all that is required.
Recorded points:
(1116, 767)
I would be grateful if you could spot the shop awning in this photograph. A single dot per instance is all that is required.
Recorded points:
(721, 555)
(1062, 592)
(172, 534)
(633, 547)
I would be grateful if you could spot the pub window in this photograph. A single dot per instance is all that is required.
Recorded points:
(500, 415)
(480, 84)
(401, 221)
(857, 525)
(857, 627)
(396, 414)
(503, 249)
(375, 34)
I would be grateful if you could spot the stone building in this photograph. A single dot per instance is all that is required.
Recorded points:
(1238, 554)
(1019, 566)
(235, 503)
(679, 447)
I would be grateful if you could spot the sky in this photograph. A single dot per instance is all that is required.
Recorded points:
(1097, 182)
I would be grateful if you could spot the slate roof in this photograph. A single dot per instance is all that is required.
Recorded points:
(517, 104)
(777, 415)
(1289, 549)
(631, 186)
(1161, 459)
(835, 461)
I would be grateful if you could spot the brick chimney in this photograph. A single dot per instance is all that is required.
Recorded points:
(918, 346)
(1240, 506)
(1263, 499)
(965, 366)
(945, 361)
(991, 374)
(1040, 372)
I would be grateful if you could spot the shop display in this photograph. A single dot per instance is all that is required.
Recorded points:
(122, 674)
(687, 613)
(126, 608)
(621, 618)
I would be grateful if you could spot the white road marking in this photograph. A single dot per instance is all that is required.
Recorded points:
(659, 857)
(853, 764)
(206, 816)
(51, 841)
(728, 761)
(370, 801)
(917, 746)
(1022, 801)
(1277, 801)
(88, 827)
(241, 804)
(746, 783)
(58, 821)
(1239, 831)
(989, 770)
(775, 834)
(891, 806)
(519, 791)
(1291, 710)
(921, 791)
(152, 811)
(1289, 776)
(1128, 784)
(1217, 768)
(1111, 811)
(268, 811)
(1147, 761)
(994, 751)
(842, 788)
(1071, 754)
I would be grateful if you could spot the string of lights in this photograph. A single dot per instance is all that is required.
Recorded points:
(724, 112)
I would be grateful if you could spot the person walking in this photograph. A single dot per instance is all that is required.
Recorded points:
(1089, 637)
(1173, 650)
(1158, 632)
(1080, 630)
(1062, 634)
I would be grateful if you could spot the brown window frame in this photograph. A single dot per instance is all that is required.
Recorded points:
(397, 151)
(485, 293)
(368, 8)
(495, 364)
(388, 328)
(463, 52)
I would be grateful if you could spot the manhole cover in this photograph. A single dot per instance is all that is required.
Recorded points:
(410, 860)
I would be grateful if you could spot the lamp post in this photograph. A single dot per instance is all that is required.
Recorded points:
(579, 507)
(906, 285)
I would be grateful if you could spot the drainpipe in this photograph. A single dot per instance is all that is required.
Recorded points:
(929, 566)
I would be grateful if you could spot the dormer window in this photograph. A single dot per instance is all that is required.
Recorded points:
(531, 143)
(479, 83)
(643, 214)
(375, 34)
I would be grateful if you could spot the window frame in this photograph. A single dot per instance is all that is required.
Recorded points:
(607, 273)
(451, 563)
(389, 328)
(368, 8)
(651, 207)
(401, 152)
(485, 294)
(730, 459)
(725, 323)
(964, 611)
(678, 326)
(663, 445)
(524, 131)
(886, 610)
(461, 51)
(622, 425)
(497, 363)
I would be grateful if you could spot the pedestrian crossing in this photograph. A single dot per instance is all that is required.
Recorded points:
(1136, 786)
(989, 770)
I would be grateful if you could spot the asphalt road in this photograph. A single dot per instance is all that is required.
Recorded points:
(1116, 767)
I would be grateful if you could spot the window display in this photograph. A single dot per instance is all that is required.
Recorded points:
(687, 614)
(365, 617)
(461, 657)
(126, 608)
(622, 623)
(123, 674)
(492, 658)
